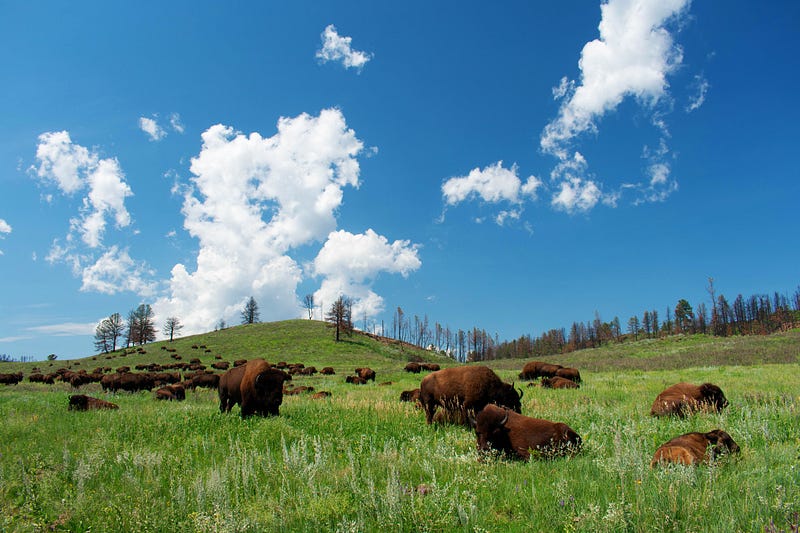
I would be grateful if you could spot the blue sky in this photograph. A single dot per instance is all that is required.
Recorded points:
(514, 166)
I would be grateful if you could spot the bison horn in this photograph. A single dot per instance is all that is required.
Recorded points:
(520, 393)
(505, 419)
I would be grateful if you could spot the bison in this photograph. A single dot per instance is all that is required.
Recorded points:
(229, 388)
(695, 448)
(569, 373)
(366, 374)
(466, 388)
(538, 369)
(412, 367)
(410, 395)
(171, 392)
(516, 435)
(327, 371)
(262, 388)
(81, 402)
(557, 382)
(355, 380)
(685, 398)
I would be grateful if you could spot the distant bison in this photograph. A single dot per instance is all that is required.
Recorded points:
(81, 402)
(501, 429)
(366, 374)
(557, 382)
(431, 367)
(409, 395)
(412, 367)
(171, 392)
(695, 448)
(466, 388)
(355, 380)
(11, 379)
(327, 371)
(321, 395)
(262, 388)
(571, 374)
(538, 369)
(685, 398)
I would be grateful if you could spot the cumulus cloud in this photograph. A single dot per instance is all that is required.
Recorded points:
(74, 168)
(5, 229)
(493, 184)
(632, 57)
(252, 200)
(337, 48)
(350, 263)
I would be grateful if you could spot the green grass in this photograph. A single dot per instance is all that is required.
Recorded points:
(363, 461)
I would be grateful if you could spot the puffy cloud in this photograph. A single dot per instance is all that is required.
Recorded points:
(5, 228)
(152, 129)
(575, 194)
(252, 200)
(350, 264)
(115, 272)
(337, 48)
(632, 57)
(493, 184)
(73, 168)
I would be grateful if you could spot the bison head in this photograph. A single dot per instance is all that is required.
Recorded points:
(510, 397)
(490, 428)
(713, 395)
(722, 443)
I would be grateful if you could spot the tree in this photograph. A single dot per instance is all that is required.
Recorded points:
(250, 314)
(339, 316)
(52, 357)
(633, 326)
(172, 326)
(108, 332)
(309, 301)
(141, 327)
(684, 316)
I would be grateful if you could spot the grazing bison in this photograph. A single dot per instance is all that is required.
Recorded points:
(11, 379)
(229, 388)
(366, 374)
(685, 398)
(355, 380)
(517, 435)
(695, 448)
(262, 388)
(466, 388)
(538, 369)
(569, 373)
(409, 395)
(81, 402)
(430, 367)
(171, 392)
(413, 367)
(557, 382)
(327, 371)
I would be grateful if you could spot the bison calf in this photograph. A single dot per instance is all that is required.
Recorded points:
(81, 402)
(685, 398)
(695, 448)
(517, 435)
(557, 382)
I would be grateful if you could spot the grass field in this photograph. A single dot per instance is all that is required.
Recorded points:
(363, 461)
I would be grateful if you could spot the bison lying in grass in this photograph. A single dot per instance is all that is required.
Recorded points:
(695, 448)
(81, 402)
(685, 398)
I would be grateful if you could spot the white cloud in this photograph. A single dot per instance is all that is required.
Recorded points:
(701, 86)
(337, 48)
(253, 199)
(350, 264)
(73, 168)
(175, 122)
(575, 194)
(152, 128)
(632, 57)
(493, 184)
(5, 228)
(115, 272)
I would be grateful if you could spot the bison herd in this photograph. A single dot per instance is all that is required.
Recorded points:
(468, 395)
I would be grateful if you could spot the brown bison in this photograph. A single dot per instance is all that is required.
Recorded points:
(516, 435)
(538, 369)
(366, 374)
(466, 388)
(685, 398)
(321, 395)
(327, 371)
(409, 395)
(355, 380)
(569, 373)
(81, 402)
(262, 388)
(413, 367)
(171, 392)
(695, 448)
(229, 388)
(11, 379)
(431, 367)
(557, 382)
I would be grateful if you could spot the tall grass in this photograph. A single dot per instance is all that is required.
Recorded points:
(363, 461)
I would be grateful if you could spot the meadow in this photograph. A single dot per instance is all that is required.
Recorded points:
(362, 460)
